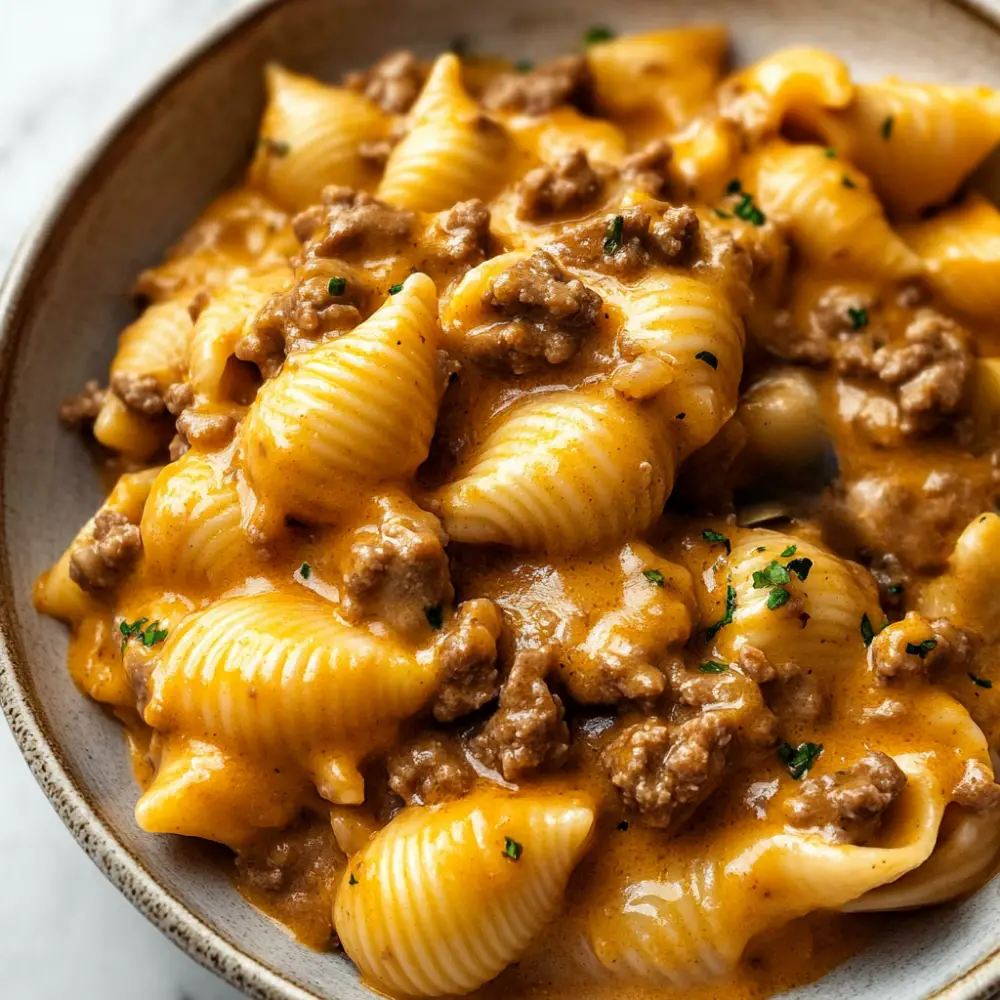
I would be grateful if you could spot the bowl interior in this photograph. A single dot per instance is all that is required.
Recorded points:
(69, 298)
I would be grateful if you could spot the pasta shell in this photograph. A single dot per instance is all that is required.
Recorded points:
(445, 897)
(156, 344)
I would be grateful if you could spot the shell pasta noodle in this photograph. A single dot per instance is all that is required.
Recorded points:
(552, 535)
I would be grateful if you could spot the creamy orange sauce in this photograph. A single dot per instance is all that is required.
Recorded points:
(820, 460)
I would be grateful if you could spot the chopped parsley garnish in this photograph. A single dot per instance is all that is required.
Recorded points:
(623, 825)
(148, 635)
(886, 128)
(777, 598)
(760, 548)
(680, 416)
(858, 317)
(721, 214)
(708, 357)
(352, 880)
(748, 211)
(895, 588)
(337, 286)
(654, 576)
(800, 567)
(305, 571)
(921, 649)
(772, 575)
(830, 154)
(790, 551)
(395, 289)
(713, 667)
(597, 33)
(512, 849)
(799, 759)
(847, 182)
(434, 615)
(613, 241)
(524, 65)
(717, 538)
(980, 681)
(727, 618)
(275, 147)
(868, 632)
(734, 186)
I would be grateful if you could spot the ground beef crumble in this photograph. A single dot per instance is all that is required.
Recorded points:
(916, 646)
(976, 789)
(462, 233)
(567, 185)
(393, 83)
(100, 562)
(348, 221)
(82, 409)
(549, 313)
(562, 81)
(648, 169)
(665, 771)
(429, 769)
(467, 655)
(140, 393)
(847, 807)
(528, 730)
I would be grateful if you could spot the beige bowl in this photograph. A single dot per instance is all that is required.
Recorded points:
(65, 299)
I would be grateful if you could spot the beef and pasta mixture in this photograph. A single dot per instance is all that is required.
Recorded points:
(553, 537)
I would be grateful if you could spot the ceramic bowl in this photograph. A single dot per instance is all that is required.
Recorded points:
(66, 298)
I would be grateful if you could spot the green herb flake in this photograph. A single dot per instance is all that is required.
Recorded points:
(886, 128)
(799, 759)
(868, 631)
(524, 66)
(153, 635)
(759, 549)
(613, 240)
(654, 576)
(395, 289)
(789, 552)
(777, 598)
(434, 615)
(512, 849)
(800, 567)
(727, 618)
(734, 186)
(858, 317)
(772, 575)
(980, 681)
(895, 588)
(713, 667)
(305, 571)
(830, 154)
(721, 214)
(921, 649)
(596, 34)
(680, 416)
(352, 880)
(847, 182)
(708, 357)
(275, 147)
(748, 211)
(337, 286)
(717, 538)
(148, 635)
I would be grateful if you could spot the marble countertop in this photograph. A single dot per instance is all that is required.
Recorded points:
(66, 68)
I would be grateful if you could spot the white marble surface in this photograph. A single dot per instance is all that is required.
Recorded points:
(66, 68)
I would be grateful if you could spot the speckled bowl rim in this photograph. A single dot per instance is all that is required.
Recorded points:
(205, 944)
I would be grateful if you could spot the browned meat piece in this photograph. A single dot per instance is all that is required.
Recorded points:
(462, 234)
(648, 169)
(631, 242)
(208, 430)
(396, 569)
(930, 370)
(847, 807)
(427, 770)
(838, 326)
(564, 186)
(976, 789)
(918, 522)
(467, 656)
(178, 398)
(755, 665)
(83, 408)
(179, 446)
(665, 772)
(527, 731)
(916, 646)
(99, 564)
(797, 698)
(892, 581)
(393, 83)
(140, 393)
(561, 81)
(305, 314)
(348, 221)
(550, 314)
